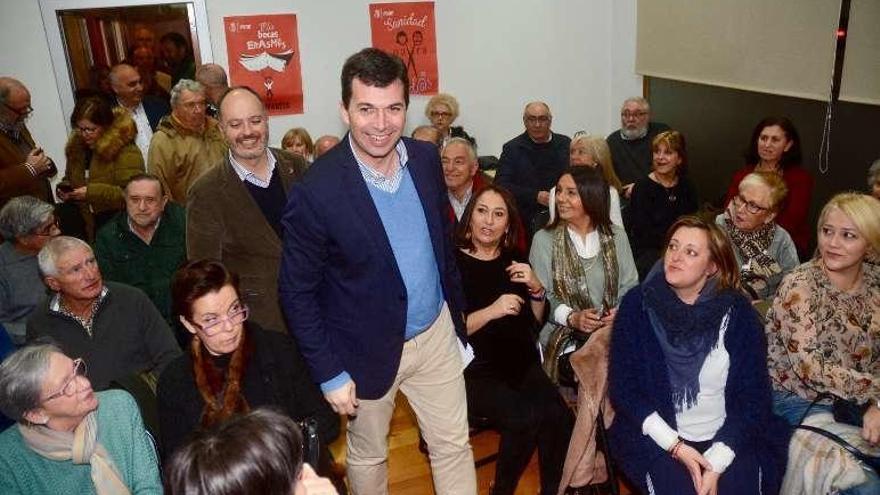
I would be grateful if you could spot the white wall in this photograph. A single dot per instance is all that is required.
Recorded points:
(494, 56)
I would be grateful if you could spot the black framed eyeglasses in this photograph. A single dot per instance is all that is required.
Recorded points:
(69, 387)
(23, 112)
(751, 207)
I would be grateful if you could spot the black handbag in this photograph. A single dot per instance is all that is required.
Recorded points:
(844, 411)
(565, 373)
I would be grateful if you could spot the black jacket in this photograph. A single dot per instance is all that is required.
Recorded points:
(276, 375)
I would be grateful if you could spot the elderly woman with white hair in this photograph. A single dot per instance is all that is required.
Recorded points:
(442, 110)
(69, 439)
(764, 250)
(26, 223)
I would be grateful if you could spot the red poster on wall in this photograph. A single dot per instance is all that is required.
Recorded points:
(263, 53)
(407, 30)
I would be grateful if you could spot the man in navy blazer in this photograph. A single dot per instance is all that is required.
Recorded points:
(146, 111)
(369, 284)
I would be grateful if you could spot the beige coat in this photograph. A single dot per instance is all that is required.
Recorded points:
(179, 156)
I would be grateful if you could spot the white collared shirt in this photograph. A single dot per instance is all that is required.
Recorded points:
(386, 184)
(246, 175)
(145, 132)
(459, 206)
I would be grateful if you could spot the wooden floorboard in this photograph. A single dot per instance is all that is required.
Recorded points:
(409, 472)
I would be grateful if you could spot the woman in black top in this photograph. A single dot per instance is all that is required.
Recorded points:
(233, 365)
(505, 381)
(659, 199)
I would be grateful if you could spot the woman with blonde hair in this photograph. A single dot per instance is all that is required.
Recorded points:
(659, 199)
(298, 141)
(688, 379)
(442, 110)
(823, 330)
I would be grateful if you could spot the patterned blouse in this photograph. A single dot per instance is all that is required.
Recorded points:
(820, 338)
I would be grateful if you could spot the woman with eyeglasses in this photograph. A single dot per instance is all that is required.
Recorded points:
(764, 251)
(775, 147)
(442, 110)
(233, 365)
(27, 224)
(101, 157)
(70, 439)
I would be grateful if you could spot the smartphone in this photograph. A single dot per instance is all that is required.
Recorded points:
(64, 187)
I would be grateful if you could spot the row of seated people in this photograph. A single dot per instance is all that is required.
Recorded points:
(695, 328)
(210, 220)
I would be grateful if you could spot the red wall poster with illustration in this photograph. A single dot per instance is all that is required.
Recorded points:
(263, 53)
(407, 30)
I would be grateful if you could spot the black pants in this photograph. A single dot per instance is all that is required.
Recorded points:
(528, 414)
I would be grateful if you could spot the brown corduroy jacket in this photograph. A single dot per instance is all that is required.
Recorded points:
(224, 222)
(15, 178)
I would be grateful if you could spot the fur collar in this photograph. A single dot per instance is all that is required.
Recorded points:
(119, 134)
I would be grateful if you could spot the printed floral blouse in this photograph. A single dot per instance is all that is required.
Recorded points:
(822, 339)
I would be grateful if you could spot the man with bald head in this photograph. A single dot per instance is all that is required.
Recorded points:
(146, 111)
(324, 143)
(24, 167)
(233, 211)
(213, 78)
(532, 162)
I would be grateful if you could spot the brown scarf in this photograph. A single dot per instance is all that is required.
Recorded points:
(82, 447)
(221, 393)
(570, 285)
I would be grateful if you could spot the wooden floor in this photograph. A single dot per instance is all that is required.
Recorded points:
(409, 472)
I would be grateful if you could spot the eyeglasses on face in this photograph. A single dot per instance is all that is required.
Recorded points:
(48, 229)
(750, 206)
(633, 115)
(87, 130)
(69, 387)
(217, 325)
(438, 114)
(21, 112)
(537, 119)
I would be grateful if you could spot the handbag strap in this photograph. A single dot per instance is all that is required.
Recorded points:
(871, 461)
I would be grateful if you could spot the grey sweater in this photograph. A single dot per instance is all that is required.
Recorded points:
(128, 337)
(21, 288)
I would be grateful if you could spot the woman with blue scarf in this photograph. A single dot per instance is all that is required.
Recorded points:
(688, 376)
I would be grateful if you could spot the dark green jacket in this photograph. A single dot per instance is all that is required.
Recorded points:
(124, 257)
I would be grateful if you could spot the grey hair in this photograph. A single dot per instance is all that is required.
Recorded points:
(212, 74)
(185, 84)
(21, 379)
(48, 256)
(22, 215)
(472, 153)
(638, 99)
(874, 173)
(116, 69)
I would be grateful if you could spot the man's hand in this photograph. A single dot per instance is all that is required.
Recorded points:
(544, 198)
(871, 425)
(343, 400)
(628, 190)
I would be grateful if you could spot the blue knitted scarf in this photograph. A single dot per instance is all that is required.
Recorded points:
(687, 333)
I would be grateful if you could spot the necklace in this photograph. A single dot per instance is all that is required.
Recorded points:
(668, 185)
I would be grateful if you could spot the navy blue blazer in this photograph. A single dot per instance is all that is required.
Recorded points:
(155, 108)
(340, 288)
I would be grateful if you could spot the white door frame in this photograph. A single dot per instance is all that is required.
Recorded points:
(198, 18)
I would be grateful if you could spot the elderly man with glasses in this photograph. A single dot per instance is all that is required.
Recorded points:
(24, 167)
(113, 326)
(631, 144)
(532, 162)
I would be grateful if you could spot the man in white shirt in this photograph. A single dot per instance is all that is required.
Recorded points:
(146, 111)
